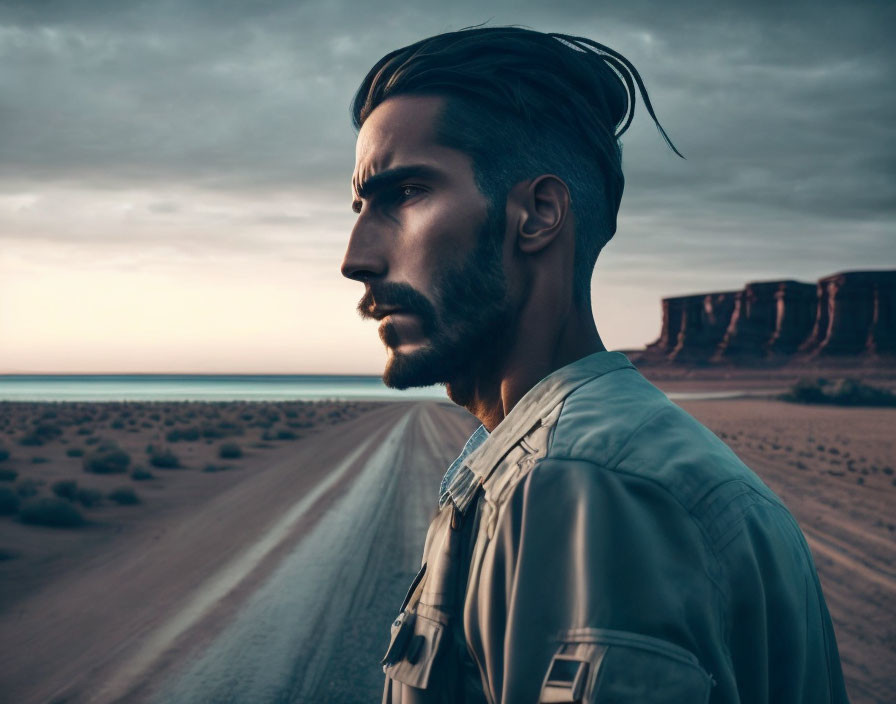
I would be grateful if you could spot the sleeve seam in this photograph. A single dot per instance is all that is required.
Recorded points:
(707, 543)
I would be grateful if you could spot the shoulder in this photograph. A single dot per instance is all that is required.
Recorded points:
(625, 425)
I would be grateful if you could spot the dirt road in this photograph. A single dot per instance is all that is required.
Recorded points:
(281, 587)
(269, 592)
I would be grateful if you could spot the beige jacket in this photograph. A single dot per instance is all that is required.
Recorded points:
(604, 546)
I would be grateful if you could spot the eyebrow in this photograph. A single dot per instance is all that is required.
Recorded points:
(390, 177)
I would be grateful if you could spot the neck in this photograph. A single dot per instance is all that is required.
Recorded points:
(542, 342)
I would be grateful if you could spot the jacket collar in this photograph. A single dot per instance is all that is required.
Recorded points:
(531, 411)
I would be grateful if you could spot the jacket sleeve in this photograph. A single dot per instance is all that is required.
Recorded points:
(595, 585)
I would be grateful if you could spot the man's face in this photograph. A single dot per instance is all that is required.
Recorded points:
(426, 247)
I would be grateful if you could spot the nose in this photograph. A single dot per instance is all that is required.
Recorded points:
(364, 257)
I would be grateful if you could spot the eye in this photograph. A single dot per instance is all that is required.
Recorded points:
(408, 191)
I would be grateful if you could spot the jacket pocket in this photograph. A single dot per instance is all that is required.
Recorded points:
(606, 666)
(414, 665)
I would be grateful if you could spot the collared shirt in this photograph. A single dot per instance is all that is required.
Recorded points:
(448, 484)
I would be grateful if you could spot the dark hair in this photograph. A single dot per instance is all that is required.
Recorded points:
(522, 103)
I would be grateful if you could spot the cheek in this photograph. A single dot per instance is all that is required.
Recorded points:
(434, 238)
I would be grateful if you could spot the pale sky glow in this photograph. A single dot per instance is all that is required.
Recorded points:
(174, 183)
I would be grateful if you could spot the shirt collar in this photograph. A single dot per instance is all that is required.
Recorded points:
(535, 406)
(448, 485)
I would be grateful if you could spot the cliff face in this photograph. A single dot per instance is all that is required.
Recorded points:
(693, 325)
(752, 323)
(704, 321)
(882, 333)
(845, 314)
(672, 309)
(795, 309)
(855, 314)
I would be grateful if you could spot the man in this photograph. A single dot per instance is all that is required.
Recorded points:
(594, 542)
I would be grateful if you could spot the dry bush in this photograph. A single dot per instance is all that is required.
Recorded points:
(47, 511)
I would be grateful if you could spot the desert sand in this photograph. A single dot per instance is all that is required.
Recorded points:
(121, 608)
(835, 468)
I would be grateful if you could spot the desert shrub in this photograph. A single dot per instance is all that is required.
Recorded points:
(9, 501)
(226, 427)
(4, 454)
(840, 392)
(190, 434)
(124, 496)
(47, 511)
(40, 434)
(48, 431)
(284, 434)
(213, 432)
(8, 475)
(163, 458)
(89, 497)
(85, 431)
(75, 452)
(108, 458)
(230, 451)
(215, 468)
(27, 488)
(65, 489)
(117, 424)
(31, 439)
(140, 475)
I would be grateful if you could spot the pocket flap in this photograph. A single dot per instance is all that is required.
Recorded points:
(415, 666)
(619, 667)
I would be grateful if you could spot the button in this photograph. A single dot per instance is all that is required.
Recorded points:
(402, 630)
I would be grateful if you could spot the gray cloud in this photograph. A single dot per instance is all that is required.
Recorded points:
(784, 110)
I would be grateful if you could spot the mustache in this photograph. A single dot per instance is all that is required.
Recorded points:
(381, 295)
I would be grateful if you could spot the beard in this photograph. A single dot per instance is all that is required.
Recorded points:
(466, 325)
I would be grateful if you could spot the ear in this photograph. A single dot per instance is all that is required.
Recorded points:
(543, 208)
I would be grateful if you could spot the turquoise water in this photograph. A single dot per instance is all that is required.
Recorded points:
(249, 387)
(177, 387)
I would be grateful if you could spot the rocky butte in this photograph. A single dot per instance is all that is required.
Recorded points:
(849, 315)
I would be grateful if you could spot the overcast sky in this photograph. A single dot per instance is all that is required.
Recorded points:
(174, 175)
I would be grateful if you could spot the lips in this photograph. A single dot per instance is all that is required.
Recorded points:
(380, 313)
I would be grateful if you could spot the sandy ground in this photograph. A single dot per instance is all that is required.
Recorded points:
(758, 379)
(834, 468)
(154, 600)
(72, 599)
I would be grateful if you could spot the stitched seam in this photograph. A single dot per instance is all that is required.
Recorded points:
(675, 499)
(516, 570)
(631, 436)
